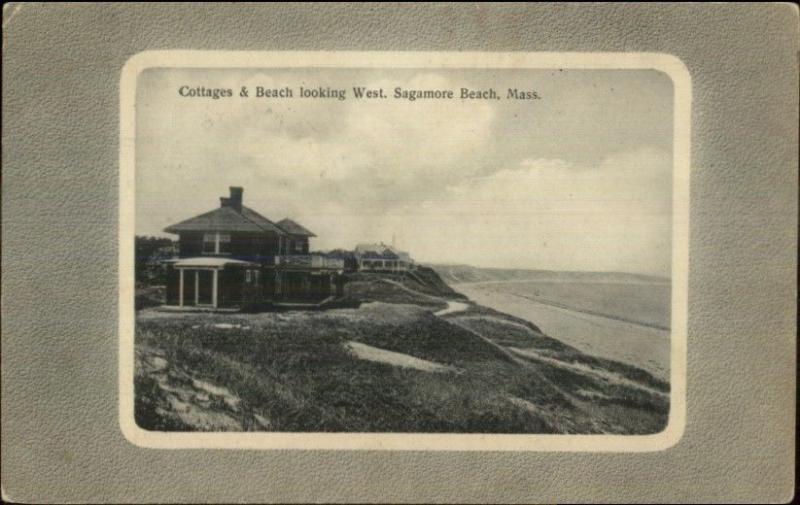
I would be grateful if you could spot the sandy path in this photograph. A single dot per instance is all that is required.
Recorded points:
(451, 308)
(369, 353)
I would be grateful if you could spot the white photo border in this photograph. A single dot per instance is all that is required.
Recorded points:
(682, 92)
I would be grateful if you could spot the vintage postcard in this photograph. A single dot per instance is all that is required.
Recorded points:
(404, 251)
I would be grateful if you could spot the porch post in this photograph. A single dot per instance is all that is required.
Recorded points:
(196, 288)
(214, 289)
(180, 288)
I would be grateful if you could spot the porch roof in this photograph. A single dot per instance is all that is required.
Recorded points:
(210, 262)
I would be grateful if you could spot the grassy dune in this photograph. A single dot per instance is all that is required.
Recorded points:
(296, 371)
(421, 287)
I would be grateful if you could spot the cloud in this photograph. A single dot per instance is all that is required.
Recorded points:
(549, 214)
(449, 179)
(380, 151)
(375, 154)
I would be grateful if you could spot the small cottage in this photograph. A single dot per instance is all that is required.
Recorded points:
(382, 258)
(233, 256)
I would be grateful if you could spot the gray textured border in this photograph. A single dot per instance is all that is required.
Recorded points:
(61, 440)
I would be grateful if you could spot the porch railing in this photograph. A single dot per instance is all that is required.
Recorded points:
(309, 261)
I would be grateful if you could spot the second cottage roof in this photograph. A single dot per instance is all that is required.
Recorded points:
(293, 228)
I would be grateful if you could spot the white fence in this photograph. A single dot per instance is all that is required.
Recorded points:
(309, 261)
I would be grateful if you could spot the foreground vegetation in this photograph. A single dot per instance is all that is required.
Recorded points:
(298, 371)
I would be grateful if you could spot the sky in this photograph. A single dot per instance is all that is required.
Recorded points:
(580, 179)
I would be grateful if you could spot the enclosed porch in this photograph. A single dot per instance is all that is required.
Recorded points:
(211, 283)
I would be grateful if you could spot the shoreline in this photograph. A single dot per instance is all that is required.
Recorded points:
(643, 346)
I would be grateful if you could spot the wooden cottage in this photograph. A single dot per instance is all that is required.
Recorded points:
(382, 258)
(232, 257)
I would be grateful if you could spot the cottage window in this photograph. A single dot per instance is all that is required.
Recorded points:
(209, 243)
(251, 277)
(223, 243)
(216, 243)
(298, 246)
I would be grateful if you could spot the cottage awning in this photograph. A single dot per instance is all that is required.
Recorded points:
(210, 262)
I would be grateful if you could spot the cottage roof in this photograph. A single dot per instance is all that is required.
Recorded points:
(260, 220)
(385, 255)
(293, 228)
(363, 248)
(227, 219)
(381, 251)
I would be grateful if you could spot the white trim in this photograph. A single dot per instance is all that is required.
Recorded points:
(214, 285)
(210, 262)
(196, 287)
(180, 288)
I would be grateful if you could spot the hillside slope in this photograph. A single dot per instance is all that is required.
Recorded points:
(398, 363)
(421, 287)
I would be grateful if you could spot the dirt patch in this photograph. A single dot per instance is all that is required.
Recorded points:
(230, 326)
(451, 308)
(369, 353)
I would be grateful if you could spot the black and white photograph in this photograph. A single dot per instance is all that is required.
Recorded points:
(404, 250)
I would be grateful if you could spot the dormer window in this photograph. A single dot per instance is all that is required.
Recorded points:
(216, 243)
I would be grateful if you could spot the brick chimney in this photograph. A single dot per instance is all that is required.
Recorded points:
(235, 200)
